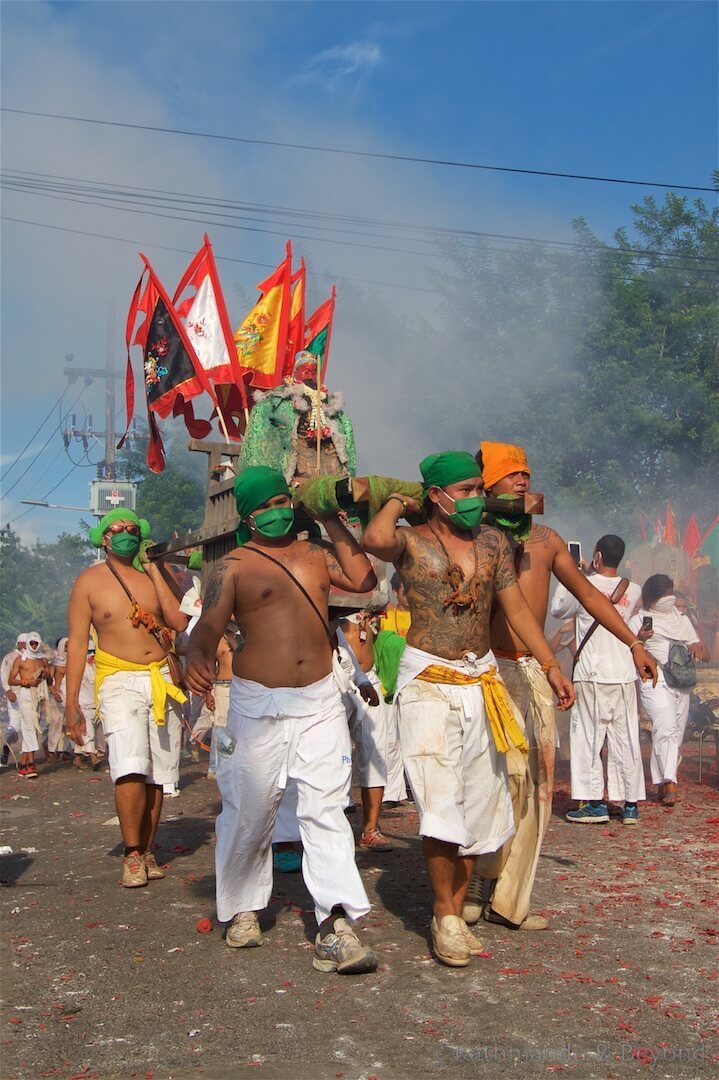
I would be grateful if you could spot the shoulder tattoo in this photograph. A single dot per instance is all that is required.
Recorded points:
(215, 586)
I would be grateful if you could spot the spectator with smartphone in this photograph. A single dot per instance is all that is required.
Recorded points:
(660, 624)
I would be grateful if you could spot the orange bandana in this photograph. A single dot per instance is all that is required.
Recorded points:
(501, 459)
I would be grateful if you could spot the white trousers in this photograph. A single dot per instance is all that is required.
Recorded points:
(606, 712)
(286, 734)
(669, 711)
(458, 777)
(28, 703)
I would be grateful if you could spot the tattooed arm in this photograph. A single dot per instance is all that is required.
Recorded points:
(349, 568)
(218, 603)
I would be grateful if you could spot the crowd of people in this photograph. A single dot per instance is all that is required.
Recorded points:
(448, 697)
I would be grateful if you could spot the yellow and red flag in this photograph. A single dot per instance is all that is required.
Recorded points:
(261, 338)
(295, 333)
(671, 532)
(318, 331)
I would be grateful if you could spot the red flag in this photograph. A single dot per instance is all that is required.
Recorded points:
(295, 333)
(318, 331)
(692, 541)
(644, 524)
(671, 532)
(171, 367)
(204, 317)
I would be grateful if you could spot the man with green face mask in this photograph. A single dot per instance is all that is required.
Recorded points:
(133, 610)
(501, 889)
(457, 723)
(287, 722)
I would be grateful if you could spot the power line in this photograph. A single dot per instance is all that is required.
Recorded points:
(42, 448)
(35, 433)
(44, 497)
(358, 153)
(17, 181)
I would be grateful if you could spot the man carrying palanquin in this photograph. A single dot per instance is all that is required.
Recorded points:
(287, 722)
(456, 720)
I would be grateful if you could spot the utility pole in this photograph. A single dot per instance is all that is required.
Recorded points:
(106, 467)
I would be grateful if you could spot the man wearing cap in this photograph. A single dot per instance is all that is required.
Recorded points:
(134, 612)
(287, 722)
(456, 720)
(538, 552)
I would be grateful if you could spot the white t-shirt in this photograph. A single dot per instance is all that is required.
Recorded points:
(666, 626)
(604, 659)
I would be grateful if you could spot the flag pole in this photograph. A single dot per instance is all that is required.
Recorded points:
(319, 409)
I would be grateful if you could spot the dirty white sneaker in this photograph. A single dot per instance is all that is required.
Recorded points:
(474, 945)
(472, 909)
(134, 874)
(343, 952)
(244, 931)
(449, 941)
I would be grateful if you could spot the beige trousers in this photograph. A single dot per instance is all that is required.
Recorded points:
(531, 780)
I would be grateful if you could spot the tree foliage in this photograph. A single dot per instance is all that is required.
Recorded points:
(601, 360)
(35, 584)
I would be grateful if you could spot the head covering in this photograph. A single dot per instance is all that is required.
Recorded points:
(22, 643)
(253, 487)
(34, 654)
(501, 459)
(118, 514)
(448, 467)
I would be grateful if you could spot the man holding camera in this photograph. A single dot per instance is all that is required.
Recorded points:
(539, 553)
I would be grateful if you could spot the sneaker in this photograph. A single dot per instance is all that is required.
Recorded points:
(531, 922)
(374, 841)
(390, 804)
(449, 940)
(134, 873)
(244, 931)
(154, 872)
(343, 952)
(287, 862)
(474, 945)
(588, 814)
(630, 815)
(31, 772)
(22, 772)
(472, 909)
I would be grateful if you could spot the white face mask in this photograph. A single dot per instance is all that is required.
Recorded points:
(666, 604)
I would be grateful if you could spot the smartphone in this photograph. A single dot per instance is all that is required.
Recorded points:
(575, 550)
(647, 622)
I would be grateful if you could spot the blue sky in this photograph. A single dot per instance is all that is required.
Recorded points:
(614, 89)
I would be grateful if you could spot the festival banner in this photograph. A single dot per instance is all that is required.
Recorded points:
(692, 537)
(204, 317)
(318, 331)
(671, 531)
(171, 368)
(261, 339)
(295, 333)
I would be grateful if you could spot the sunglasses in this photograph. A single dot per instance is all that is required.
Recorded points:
(118, 527)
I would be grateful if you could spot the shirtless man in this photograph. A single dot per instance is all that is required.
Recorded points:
(456, 721)
(286, 719)
(539, 552)
(138, 704)
(31, 673)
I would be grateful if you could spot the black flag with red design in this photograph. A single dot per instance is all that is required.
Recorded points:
(172, 373)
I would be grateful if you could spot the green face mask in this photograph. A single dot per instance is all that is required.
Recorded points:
(125, 544)
(275, 522)
(467, 513)
(519, 525)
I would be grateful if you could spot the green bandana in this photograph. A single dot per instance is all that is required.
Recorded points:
(449, 467)
(518, 525)
(98, 531)
(253, 487)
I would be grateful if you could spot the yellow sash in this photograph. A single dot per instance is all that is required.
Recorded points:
(162, 688)
(505, 730)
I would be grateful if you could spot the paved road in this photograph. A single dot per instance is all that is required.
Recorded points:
(99, 981)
